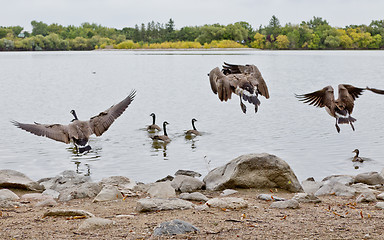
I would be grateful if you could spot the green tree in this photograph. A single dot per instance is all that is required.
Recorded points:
(39, 28)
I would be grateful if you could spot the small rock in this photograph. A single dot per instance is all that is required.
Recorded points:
(35, 197)
(9, 204)
(52, 193)
(108, 193)
(311, 186)
(187, 173)
(195, 196)
(268, 197)
(184, 183)
(227, 192)
(343, 179)
(380, 205)
(85, 190)
(125, 216)
(380, 196)
(227, 202)
(46, 203)
(167, 178)
(120, 182)
(95, 223)
(336, 188)
(68, 213)
(162, 190)
(174, 227)
(366, 197)
(306, 198)
(291, 203)
(370, 178)
(8, 195)
(155, 204)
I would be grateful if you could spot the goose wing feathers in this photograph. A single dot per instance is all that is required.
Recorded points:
(318, 98)
(100, 123)
(252, 73)
(375, 90)
(56, 132)
(222, 85)
(355, 92)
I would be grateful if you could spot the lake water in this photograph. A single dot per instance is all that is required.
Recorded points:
(45, 86)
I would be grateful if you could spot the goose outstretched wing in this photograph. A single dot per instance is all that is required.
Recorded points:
(320, 98)
(56, 132)
(100, 123)
(222, 85)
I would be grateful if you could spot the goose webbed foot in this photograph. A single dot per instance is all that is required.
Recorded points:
(353, 128)
(242, 105)
(337, 127)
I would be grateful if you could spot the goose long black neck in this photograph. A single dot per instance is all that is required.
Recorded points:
(153, 119)
(193, 125)
(74, 115)
(357, 154)
(165, 129)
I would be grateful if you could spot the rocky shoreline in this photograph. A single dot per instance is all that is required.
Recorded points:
(252, 196)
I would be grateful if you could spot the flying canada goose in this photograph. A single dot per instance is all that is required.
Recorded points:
(341, 108)
(194, 130)
(153, 126)
(244, 80)
(79, 131)
(164, 137)
(356, 158)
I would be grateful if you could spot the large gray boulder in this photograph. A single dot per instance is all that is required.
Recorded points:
(253, 171)
(14, 179)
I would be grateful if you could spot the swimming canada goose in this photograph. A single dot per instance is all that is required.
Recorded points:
(153, 126)
(356, 158)
(342, 107)
(194, 130)
(79, 131)
(244, 80)
(164, 137)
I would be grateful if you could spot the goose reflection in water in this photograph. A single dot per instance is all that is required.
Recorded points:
(79, 171)
(157, 146)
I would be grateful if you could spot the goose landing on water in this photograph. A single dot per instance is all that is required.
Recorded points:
(341, 108)
(79, 131)
(164, 137)
(244, 80)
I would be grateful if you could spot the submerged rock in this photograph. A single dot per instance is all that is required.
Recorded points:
(253, 171)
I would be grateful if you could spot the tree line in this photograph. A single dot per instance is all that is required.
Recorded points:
(313, 34)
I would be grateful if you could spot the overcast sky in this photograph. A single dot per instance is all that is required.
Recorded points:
(127, 13)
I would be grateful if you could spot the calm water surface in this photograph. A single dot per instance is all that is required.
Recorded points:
(45, 86)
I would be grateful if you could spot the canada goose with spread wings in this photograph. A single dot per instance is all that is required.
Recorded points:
(244, 80)
(79, 131)
(342, 107)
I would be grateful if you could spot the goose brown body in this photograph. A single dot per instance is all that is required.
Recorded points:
(193, 131)
(164, 137)
(245, 81)
(79, 131)
(342, 107)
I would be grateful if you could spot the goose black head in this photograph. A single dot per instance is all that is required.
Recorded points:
(74, 115)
